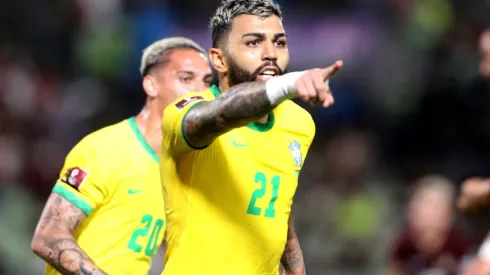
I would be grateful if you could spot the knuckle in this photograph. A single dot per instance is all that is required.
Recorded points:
(313, 72)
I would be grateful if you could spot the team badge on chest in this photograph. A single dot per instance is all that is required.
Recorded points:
(294, 147)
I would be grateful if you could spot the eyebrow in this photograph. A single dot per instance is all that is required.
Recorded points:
(185, 72)
(193, 73)
(263, 36)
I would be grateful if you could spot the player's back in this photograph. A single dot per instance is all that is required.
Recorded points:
(113, 176)
(228, 205)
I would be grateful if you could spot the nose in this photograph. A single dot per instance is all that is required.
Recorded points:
(269, 51)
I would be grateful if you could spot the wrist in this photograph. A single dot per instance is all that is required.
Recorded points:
(281, 88)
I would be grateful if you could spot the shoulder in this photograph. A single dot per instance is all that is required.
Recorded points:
(103, 140)
(293, 116)
(182, 102)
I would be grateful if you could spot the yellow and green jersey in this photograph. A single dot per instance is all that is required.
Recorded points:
(227, 205)
(112, 175)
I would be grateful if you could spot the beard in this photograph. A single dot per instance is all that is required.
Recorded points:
(239, 75)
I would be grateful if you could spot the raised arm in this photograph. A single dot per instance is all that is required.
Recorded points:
(248, 102)
(53, 240)
(239, 106)
(292, 260)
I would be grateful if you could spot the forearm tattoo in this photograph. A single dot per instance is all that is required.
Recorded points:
(239, 106)
(55, 243)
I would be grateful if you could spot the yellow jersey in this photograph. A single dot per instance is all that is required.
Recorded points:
(227, 205)
(112, 176)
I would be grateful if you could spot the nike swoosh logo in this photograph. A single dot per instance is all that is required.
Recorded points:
(132, 192)
(236, 144)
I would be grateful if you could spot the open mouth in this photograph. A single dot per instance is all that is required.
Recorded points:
(269, 71)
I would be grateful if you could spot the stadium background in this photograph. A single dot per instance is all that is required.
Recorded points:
(409, 102)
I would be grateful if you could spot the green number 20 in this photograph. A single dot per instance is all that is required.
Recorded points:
(151, 245)
(261, 178)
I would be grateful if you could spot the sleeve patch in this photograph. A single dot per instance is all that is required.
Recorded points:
(184, 102)
(75, 177)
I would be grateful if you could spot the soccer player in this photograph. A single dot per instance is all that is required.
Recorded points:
(231, 155)
(106, 212)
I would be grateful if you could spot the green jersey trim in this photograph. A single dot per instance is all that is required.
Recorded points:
(73, 198)
(141, 139)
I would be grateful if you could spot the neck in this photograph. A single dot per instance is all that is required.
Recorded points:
(149, 123)
(225, 85)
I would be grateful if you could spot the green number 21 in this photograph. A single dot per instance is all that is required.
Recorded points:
(151, 245)
(261, 178)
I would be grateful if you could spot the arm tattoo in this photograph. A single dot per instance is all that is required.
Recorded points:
(292, 258)
(239, 106)
(53, 240)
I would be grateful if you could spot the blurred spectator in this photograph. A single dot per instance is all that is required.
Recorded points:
(343, 206)
(430, 243)
(485, 53)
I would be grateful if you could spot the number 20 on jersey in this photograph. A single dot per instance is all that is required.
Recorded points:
(149, 224)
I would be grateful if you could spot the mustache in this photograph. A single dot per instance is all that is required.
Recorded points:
(267, 64)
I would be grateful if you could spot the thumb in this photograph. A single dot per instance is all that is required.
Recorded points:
(332, 69)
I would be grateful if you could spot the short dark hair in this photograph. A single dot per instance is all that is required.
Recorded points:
(220, 23)
(158, 52)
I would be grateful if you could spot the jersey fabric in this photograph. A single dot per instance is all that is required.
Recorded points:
(112, 175)
(228, 204)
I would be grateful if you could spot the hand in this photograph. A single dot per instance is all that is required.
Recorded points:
(477, 267)
(312, 87)
(475, 192)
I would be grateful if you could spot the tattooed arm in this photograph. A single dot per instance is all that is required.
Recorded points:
(248, 102)
(239, 106)
(53, 240)
(292, 260)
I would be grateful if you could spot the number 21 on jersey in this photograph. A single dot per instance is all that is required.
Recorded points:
(259, 193)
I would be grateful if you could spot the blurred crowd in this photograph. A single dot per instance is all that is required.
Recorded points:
(411, 107)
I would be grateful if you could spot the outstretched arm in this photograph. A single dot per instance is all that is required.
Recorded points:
(248, 102)
(292, 259)
(239, 106)
(53, 240)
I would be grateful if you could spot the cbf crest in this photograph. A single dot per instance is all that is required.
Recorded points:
(294, 147)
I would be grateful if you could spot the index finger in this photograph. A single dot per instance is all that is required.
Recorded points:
(332, 69)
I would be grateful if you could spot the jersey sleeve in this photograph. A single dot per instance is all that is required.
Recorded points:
(80, 181)
(174, 114)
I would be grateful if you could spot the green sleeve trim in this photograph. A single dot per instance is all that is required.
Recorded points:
(182, 128)
(71, 197)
